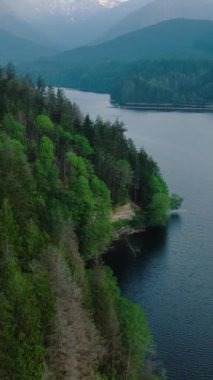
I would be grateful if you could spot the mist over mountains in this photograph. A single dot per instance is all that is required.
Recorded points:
(18, 49)
(172, 39)
(10, 21)
(61, 25)
(161, 10)
(67, 23)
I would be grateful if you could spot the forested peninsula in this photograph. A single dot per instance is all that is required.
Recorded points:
(62, 315)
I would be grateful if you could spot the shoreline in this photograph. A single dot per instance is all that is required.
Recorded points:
(129, 232)
(124, 233)
(164, 108)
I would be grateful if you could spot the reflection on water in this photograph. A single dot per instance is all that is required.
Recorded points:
(120, 257)
(153, 240)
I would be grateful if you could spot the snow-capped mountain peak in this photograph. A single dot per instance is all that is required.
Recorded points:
(68, 23)
(109, 3)
(60, 7)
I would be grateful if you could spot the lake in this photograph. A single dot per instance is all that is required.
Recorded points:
(173, 277)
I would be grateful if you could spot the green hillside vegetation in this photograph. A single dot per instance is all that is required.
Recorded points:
(166, 82)
(18, 49)
(168, 63)
(62, 315)
(175, 82)
(179, 38)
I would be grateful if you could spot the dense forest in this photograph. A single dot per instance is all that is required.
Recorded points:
(176, 82)
(170, 82)
(62, 315)
(168, 63)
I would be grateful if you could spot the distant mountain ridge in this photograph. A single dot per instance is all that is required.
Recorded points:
(161, 10)
(179, 38)
(11, 22)
(18, 49)
(71, 23)
(96, 67)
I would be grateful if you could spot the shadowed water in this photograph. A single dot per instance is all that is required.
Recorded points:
(173, 277)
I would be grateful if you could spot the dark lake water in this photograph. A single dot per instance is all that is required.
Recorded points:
(173, 278)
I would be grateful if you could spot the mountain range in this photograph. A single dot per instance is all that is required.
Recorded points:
(38, 28)
(11, 22)
(161, 10)
(179, 38)
(94, 68)
(18, 49)
(67, 23)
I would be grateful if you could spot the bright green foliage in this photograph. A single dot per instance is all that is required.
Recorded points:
(14, 129)
(90, 206)
(136, 335)
(77, 167)
(43, 124)
(158, 185)
(83, 146)
(46, 171)
(97, 231)
(158, 210)
(91, 215)
(48, 185)
(82, 201)
(176, 201)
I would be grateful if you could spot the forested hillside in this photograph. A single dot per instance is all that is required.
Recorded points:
(161, 81)
(14, 48)
(62, 316)
(167, 63)
(166, 82)
(173, 39)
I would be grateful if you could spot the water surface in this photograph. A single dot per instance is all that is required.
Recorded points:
(173, 278)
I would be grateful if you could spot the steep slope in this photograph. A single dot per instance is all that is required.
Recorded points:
(170, 39)
(67, 22)
(12, 22)
(103, 67)
(161, 10)
(18, 49)
(62, 316)
(75, 333)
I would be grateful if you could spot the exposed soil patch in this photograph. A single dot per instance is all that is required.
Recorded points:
(125, 212)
